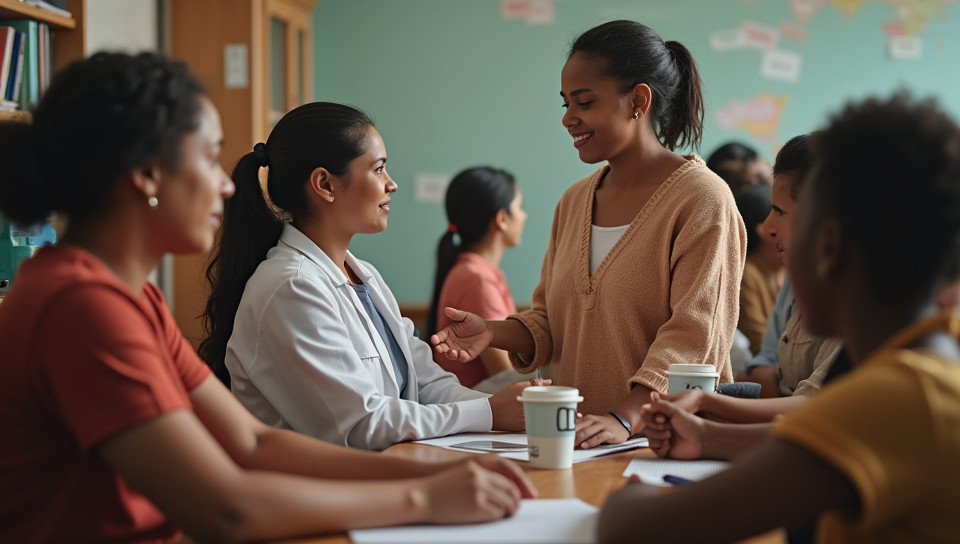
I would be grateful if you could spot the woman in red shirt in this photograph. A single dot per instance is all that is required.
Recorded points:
(485, 210)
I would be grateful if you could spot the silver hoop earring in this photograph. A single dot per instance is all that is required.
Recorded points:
(153, 202)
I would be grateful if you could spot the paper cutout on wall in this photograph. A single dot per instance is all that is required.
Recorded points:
(759, 116)
(541, 12)
(727, 40)
(905, 47)
(514, 9)
(780, 65)
(848, 7)
(910, 16)
(804, 10)
(759, 36)
(532, 12)
(793, 31)
(914, 14)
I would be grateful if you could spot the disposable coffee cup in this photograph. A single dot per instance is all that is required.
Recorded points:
(550, 412)
(683, 377)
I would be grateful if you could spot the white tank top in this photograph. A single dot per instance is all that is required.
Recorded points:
(602, 240)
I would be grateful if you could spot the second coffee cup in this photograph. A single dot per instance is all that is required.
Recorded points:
(683, 377)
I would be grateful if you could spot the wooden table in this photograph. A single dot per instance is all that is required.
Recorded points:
(591, 481)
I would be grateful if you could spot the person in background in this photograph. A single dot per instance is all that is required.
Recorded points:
(645, 255)
(740, 166)
(789, 355)
(113, 429)
(764, 269)
(311, 336)
(852, 450)
(485, 213)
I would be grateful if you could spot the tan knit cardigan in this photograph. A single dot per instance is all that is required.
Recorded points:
(668, 291)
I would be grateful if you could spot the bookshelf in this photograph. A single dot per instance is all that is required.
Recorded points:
(69, 36)
(14, 9)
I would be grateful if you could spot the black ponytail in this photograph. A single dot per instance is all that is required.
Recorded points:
(250, 228)
(683, 125)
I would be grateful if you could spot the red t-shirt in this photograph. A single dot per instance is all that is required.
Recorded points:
(82, 359)
(474, 285)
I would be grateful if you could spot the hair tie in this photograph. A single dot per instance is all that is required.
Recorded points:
(260, 152)
(451, 228)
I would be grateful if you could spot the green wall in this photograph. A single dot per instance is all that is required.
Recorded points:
(452, 84)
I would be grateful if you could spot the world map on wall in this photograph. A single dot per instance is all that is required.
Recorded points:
(909, 16)
(759, 115)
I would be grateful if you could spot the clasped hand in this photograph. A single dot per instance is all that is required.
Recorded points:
(671, 426)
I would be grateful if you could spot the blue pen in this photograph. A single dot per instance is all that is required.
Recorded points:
(675, 480)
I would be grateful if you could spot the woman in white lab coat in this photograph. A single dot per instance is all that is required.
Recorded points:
(308, 336)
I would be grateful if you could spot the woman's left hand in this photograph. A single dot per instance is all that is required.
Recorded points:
(594, 430)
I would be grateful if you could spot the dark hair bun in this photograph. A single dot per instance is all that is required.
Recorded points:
(27, 199)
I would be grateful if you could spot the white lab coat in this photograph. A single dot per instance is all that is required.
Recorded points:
(304, 355)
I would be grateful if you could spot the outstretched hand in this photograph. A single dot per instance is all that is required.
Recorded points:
(465, 339)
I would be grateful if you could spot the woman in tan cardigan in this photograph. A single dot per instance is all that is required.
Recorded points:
(645, 257)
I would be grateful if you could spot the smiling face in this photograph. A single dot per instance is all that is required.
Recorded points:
(779, 224)
(191, 197)
(362, 196)
(597, 116)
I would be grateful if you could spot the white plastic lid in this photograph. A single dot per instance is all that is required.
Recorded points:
(550, 393)
(694, 374)
(692, 369)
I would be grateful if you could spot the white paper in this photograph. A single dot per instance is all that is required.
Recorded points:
(780, 65)
(450, 442)
(430, 187)
(905, 47)
(235, 74)
(538, 521)
(652, 470)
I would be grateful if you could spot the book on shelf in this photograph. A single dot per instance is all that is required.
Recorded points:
(45, 54)
(30, 86)
(8, 105)
(15, 74)
(6, 55)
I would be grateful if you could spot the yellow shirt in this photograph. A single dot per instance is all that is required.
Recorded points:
(758, 293)
(892, 426)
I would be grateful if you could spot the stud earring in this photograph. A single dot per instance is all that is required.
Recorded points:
(636, 115)
(153, 202)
